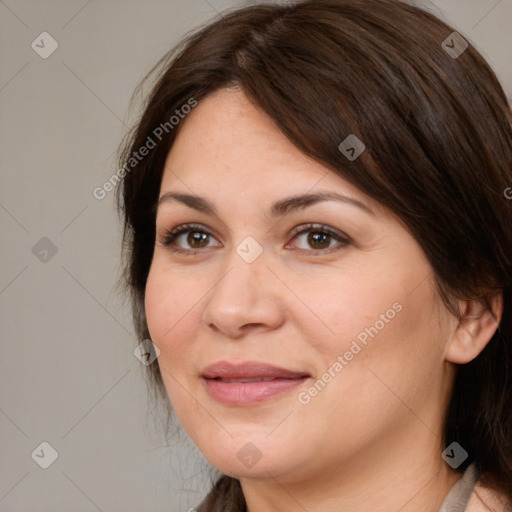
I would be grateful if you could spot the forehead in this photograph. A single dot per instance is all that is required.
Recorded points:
(228, 134)
(227, 145)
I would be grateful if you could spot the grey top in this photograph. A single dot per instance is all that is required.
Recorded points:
(457, 499)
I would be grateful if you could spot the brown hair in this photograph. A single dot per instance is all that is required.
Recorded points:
(438, 135)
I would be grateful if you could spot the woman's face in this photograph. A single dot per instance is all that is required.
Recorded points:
(346, 306)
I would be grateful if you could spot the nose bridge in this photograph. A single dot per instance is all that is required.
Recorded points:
(245, 272)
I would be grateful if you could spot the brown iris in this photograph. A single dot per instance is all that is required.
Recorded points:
(318, 240)
(197, 237)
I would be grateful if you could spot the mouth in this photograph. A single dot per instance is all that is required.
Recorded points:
(262, 379)
(249, 383)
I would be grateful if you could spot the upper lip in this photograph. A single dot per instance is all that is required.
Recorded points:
(249, 370)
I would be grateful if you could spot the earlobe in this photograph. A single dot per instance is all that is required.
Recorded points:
(474, 331)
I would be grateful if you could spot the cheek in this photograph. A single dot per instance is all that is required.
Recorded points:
(362, 292)
(373, 322)
(169, 305)
(156, 304)
(384, 355)
(342, 307)
(395, 345)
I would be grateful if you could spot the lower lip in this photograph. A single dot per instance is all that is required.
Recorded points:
(248, 393)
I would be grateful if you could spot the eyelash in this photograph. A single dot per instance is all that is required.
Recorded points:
(170, 236)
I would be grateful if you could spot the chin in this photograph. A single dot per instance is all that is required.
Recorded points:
(252, 457)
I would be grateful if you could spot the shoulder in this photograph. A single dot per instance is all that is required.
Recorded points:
(483, 499)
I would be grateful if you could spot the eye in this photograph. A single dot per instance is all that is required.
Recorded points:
(197, 238)
(319, 238)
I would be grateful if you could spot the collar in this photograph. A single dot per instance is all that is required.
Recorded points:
(457, 499)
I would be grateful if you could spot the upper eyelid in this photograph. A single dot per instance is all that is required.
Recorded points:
(183, 228)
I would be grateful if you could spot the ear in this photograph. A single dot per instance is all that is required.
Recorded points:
(475, 329)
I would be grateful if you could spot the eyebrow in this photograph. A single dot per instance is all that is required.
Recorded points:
(278, 209)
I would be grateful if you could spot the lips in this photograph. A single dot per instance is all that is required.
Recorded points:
(254, 371)
(249, 383)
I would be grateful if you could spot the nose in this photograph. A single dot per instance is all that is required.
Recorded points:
(244, 299)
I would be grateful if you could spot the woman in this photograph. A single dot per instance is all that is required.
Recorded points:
(319, 244)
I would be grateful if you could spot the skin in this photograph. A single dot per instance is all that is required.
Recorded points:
(371, 439)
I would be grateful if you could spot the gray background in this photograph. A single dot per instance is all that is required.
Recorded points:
(67, 369)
